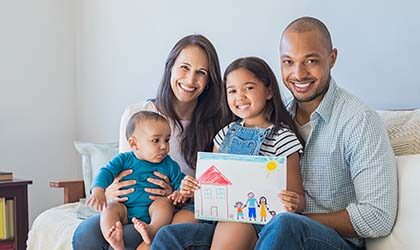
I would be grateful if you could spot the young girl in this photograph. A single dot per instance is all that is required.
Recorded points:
(263, 127)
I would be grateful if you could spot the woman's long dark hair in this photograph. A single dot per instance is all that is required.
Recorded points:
(209, 116)
(274, 110)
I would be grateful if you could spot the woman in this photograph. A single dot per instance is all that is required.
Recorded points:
(190, 95)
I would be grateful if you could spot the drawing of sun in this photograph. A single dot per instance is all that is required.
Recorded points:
(271, 167)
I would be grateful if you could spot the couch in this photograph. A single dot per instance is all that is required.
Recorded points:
(53, 229)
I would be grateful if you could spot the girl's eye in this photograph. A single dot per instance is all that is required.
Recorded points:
(231, 91)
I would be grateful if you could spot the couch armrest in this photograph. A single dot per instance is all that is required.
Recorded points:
(73, 189)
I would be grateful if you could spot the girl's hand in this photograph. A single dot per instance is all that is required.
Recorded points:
(97, 200)
(188, 186)
(163, 182)
(114, 191)
(177, 197)
(293, 202)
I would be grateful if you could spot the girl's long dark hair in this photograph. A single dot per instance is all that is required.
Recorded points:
(209, 115)
(275, 111)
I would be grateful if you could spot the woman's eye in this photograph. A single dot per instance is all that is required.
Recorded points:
(203, 73)
(184, 67)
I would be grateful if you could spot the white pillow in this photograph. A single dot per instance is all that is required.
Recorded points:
(94, 156)
(403, 129)
(405, 232)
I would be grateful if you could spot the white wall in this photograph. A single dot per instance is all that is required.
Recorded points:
(124, 44)
(69, 67)
(37, 96)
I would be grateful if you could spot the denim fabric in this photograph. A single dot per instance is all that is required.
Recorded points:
(88, 236)
(184, 236)
(242, 140)
(300, 232)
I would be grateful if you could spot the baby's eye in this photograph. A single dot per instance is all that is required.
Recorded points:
(167, 140)
(155, 140)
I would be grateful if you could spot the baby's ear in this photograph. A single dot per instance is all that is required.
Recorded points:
(132, 141)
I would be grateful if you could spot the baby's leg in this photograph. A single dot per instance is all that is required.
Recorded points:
(160, 212)
(234, 235)
(112, 218)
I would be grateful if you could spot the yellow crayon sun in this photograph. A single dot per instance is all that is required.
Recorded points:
(270, 167)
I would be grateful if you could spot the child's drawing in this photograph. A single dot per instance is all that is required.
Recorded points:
(239, 187)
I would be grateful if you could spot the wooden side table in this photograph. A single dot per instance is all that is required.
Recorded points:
(18, 190)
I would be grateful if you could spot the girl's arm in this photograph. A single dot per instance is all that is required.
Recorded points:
(293, 198)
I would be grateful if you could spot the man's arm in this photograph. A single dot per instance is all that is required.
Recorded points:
(374, 176)
(339, 220)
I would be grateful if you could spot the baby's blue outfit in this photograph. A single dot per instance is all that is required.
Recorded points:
(138, 201)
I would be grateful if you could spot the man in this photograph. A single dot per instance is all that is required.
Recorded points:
(348, 168)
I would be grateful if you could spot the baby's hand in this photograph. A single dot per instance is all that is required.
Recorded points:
(177, 197)
(188, 186)
(97, 200)
(293, 202)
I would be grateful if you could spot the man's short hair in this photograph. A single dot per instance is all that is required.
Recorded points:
(306, 24)
(140, 117)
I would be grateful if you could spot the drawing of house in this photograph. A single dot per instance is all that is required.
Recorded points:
(214, 194)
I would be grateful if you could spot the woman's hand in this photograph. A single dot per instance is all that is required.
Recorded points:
(293, 202)
(114, 190)
(188, 186)
(163, 182)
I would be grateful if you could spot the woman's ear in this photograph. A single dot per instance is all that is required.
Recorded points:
(132, 141)
(268, 93)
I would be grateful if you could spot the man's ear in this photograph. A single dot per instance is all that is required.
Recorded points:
(333, 57)
(269, 93)
(132, 141)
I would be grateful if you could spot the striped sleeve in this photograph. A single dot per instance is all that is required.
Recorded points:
(281, 143)
(220, 136)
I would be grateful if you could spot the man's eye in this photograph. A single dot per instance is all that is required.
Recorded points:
(287, 62)
(185, 67)
(311, 61)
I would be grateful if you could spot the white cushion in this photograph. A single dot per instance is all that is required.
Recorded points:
(405, 232)
(94, 156)
(403, 129)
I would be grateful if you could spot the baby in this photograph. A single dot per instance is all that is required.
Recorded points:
(148, 135)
